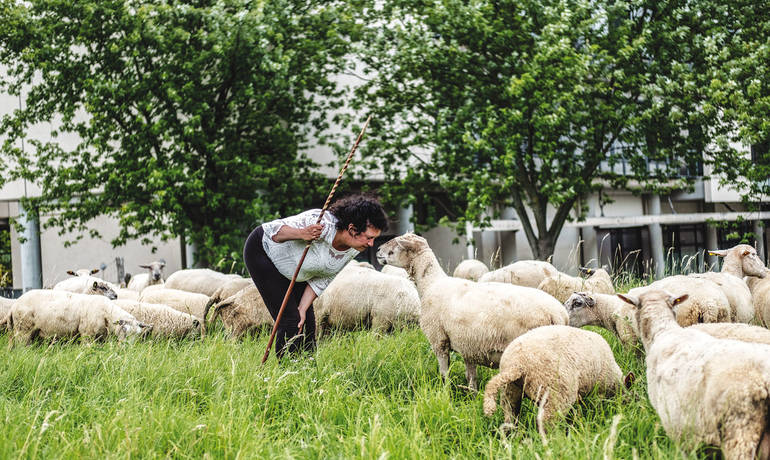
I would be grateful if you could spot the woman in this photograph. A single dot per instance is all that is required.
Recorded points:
(273, 250)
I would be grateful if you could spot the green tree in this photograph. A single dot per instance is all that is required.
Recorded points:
(533, 104)
(190, 116)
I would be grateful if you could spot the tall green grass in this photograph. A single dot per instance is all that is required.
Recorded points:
(362, 395)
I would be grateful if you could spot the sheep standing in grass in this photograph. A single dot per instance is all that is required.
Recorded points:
(706, 303)
(528, 273)
(554, 366)
(360, 297)
(760, 293)
(200, 280)
(612, 313)
(87, 284)
(470, 269)
(705, 390)
(562, 286)
(166, 322)
(478, 320)
(153, 276)
(184, 301)
(228, 289)
(47, 313)
(243, 312)
(5, 307)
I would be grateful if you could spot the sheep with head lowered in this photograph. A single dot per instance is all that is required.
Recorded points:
(184, 301)
(562, 285)
(200, 280)
(470, 269)
(226, 290)
(478, 320)
(554, 366)
(153, 276)
(528, 273)
(706, 302)
(361, 298)
(47, 313)
(165, 321)
(243, 312)
(705, 390)
(87, 284)
(618, 316)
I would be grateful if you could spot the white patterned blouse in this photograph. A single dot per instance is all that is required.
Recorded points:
(322, 262)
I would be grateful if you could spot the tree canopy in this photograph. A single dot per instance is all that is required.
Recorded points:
(190, 116)
(534, 104)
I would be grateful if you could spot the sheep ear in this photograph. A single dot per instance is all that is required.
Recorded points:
(144, 266)
(745, 253)
(629, 380)
(96, 284)
(718, 252)
(70, 272)
(633, 300)
(94, 271)
(586, 270)
(590, 301)
(677, 300)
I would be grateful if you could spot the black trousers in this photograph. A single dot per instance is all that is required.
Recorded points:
(272, 285)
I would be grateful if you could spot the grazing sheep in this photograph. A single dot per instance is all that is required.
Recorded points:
(153, 276)
(226, 290)
(554, 366)
(87, 284)
(394, 271)
(614, 314)
(5, 307)
(200, 280)
(760, 293)
(166, 322)
(184, 301)
(243, 312)
(705, 390)
(478, 320)
(528, 273)
(361, 297)
(706, 302)
(470, 269)
(562, 286)
(46, 313)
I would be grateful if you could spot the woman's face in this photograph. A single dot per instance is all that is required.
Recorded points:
(361, 240)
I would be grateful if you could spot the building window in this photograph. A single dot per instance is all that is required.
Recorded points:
(685, 247)
(626, 256)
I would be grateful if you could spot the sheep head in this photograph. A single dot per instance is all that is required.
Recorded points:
(130, 328)
(747, 256)
(581, 309)
(99, 287)
(155, 269)
(401, 250)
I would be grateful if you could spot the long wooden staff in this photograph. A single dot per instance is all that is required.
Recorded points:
(304, 253)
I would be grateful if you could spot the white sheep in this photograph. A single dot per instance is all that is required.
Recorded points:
(87, 284)
(165, 321)
(184, 301)
(612, 313)
(394, 271)
(737, 293)
(153, 276)
(470, 269)
(478, 320)
(243, 312)
(554, 366)
(47, 313)
(528, 273)
(359, 297)
(705, 390)
(83, 272)
(230, 288)
(201, 280)
(562, 285)
(5, 307)
(760, 293)
(706, 303)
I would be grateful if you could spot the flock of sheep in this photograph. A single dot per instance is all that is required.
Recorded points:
(708, 368)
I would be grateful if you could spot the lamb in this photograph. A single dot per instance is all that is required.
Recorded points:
(614, 314)
(166, 321)
(528, 273)
(200, 280)
(362, 297)
(554, 366)
(706, 303)
(226, 290)
(760, 292)
(705, 390)
(478, 320)
(87, 284)
(184, 301)
(153, 276)
(470, 269)
(562, 286)
(394, 271)
(243, 312)
(47, 313)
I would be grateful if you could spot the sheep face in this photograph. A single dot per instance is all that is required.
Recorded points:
(752, 264)
(83, 272)
(130, 329)
(102, 288)
(400, 250)
(581, 309)
(155, 269)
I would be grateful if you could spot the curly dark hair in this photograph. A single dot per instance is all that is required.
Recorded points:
(361, 211)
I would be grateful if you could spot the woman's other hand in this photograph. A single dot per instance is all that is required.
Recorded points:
(311, 232)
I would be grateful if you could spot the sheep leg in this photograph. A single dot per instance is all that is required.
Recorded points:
(470, 375)
(442, 355)
(511, 403)
(741, 436)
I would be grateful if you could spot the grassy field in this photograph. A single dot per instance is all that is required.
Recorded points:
(363, 395)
